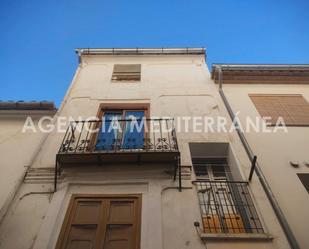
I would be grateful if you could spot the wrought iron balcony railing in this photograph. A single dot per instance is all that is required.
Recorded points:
(119, 141)
(116, 136)
(227, 207)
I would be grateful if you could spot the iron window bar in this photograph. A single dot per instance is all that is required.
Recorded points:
(227, 207)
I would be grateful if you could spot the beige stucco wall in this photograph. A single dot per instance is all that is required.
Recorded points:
(174, 86)
(17, 150)
(275, 150)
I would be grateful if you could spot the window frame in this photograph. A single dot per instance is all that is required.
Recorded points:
(107, 107)
(126, 78)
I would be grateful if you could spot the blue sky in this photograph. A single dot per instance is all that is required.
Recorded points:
(38, 38)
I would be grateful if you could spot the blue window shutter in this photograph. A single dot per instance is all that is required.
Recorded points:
(134, 130)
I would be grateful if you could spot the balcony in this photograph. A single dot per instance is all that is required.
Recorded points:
(120, 141)
(227, 208)
(114, 141)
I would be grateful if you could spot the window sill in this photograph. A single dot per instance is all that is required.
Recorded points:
(125, 81)
(236, 237)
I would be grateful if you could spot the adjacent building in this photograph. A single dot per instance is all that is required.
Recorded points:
(142, 163)
(275, 91)
(17, 148)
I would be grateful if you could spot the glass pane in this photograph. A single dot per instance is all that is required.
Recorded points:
(218, 171)
(200, 170)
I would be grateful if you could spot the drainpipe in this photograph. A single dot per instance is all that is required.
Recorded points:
(282, 220)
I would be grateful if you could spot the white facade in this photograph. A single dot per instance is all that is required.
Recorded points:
(174, 84)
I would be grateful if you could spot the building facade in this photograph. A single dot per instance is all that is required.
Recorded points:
(139, 169)
(18, 148)
(276, 91)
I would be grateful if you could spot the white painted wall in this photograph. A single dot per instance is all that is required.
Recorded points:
(17, 149)
(275, 151)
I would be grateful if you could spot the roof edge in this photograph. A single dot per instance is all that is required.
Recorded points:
(139, 51)
(27, 105)
(26, 113)
(261, 73)
(260, 66)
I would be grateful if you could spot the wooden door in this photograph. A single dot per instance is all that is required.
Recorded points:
(94, 222)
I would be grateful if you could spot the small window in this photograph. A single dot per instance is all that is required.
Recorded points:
(126, 72)
(226, 205)
(304, 178)
(212, 169)
(293, 108)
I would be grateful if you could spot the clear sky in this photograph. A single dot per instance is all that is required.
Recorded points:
(38, 38)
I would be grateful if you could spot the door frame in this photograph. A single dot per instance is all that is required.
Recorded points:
(103, 107)
(69, 213)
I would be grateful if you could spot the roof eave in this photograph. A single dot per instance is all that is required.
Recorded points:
(260, 66)
(140, 51)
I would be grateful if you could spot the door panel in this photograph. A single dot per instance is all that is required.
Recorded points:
(119, 237)
(84, 227)
(110, 133)
(134, 130)
(101, 223)
(121, 225)
(121, 212)
(82, 237)
(77, 244)
(87, 213)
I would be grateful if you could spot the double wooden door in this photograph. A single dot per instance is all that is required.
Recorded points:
(101, 222)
